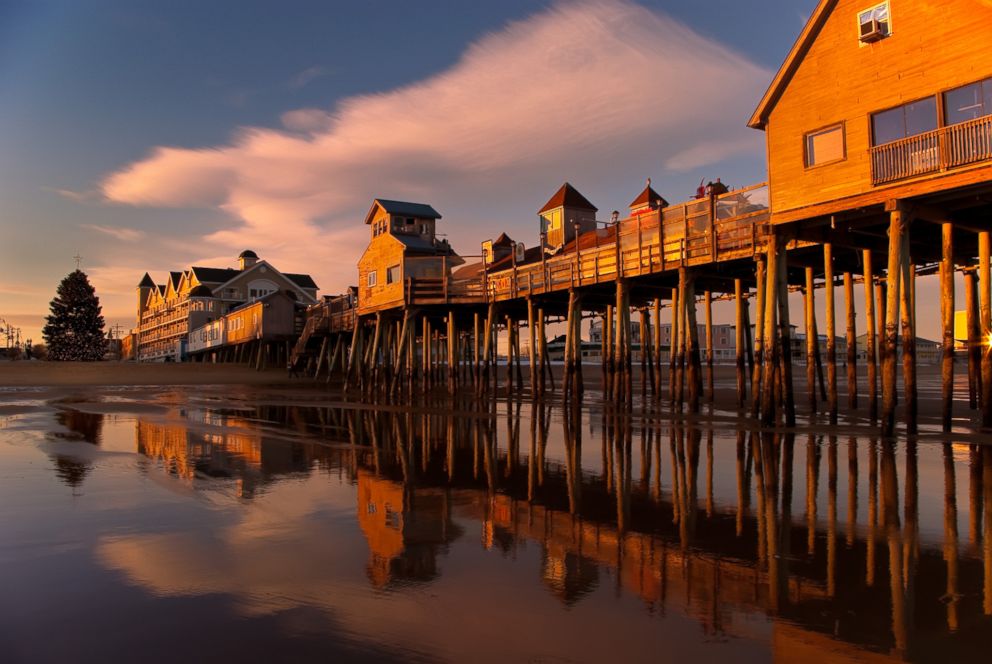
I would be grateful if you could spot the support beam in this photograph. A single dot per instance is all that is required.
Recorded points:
(985, 309)
(894, 281)
(947, 323)
(759, 333)
(828, 277)
(708, 311)
(973, 323)
(851, 338)
(811, 349)
(870, 339)
(739, 331)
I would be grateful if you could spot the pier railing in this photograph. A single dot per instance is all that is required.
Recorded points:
(725, 227)
(933, 151)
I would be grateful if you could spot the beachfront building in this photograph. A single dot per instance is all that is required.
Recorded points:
(192, 298)
(403, 246)
(879, 103)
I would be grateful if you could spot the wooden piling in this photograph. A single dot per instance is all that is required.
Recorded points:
(673, 347)
(532, 343)
(870, 343)
(985, 310)
(452, 351)
(947, 322)
(893, 279)
(708, 311)
(656, 371)
(609, 362)
(577, 347)
(908, 320)
(973, 324)
(828, 278)
(739, 331)
(694, 359)
(569, 375)
(759, 334)
(851, 338)
(770, 348)
(785, 338)
(811, 350)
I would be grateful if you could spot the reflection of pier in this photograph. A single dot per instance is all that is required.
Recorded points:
(826, 583)
(851, 571)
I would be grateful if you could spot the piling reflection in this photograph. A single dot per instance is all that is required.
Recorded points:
(738, 524)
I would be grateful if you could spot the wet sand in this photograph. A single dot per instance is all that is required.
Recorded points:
(49, 374)
(291, 522)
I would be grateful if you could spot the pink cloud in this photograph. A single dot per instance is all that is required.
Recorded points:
(599, 91)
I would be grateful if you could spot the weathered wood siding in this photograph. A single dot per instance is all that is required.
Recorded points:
(934, 46)
(383, 251)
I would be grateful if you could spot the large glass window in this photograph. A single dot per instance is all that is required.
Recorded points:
(904, 121)
(968, 102)
(825, 145)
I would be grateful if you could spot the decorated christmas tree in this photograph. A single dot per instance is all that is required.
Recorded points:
(74, 329)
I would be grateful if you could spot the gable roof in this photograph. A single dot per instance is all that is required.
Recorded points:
(146, 282)
(301, 280)
(568, 196)
(503, 240)
(213, 275)
(788, 69)
(419, 210)
(648, 197)
(174, 278)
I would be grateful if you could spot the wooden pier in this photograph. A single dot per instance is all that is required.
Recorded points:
(843, 207)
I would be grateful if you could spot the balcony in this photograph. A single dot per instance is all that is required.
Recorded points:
(933, 152)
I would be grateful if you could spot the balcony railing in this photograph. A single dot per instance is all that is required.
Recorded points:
(933, 151)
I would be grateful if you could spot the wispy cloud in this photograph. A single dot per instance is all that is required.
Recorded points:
(305, 77)
(603, 92)
(87, 196)
(116, 232)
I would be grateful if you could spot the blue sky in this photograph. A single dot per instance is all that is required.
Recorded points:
(287, 117)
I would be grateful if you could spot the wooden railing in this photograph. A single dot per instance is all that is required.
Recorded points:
(729, 226)
(933, 151)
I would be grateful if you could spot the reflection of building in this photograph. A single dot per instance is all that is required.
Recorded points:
(405, 528)
(222, 447)
(198, 295)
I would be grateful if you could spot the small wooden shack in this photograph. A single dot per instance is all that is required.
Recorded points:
(403, 245)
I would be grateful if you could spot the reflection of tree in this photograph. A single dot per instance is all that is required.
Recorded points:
(71, 471)
(82, 427)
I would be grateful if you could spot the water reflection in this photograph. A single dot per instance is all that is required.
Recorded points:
(843, 560)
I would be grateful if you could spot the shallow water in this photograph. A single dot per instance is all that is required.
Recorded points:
(261, 525)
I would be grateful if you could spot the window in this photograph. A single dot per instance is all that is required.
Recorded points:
(371, 278)
(904, 121)
(968, 102)
(392, 274)
(874, 23)
(825, 145)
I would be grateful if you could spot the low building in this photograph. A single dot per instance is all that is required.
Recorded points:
(194, 297)
(403, 245)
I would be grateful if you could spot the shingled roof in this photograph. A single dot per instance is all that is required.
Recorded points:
(419, 210)
(301, 280)
(568, 196)
(214, 275)
(648, 197)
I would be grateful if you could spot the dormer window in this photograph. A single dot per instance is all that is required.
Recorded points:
(874, 23)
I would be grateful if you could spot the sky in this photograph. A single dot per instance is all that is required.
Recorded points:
(149, 136)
